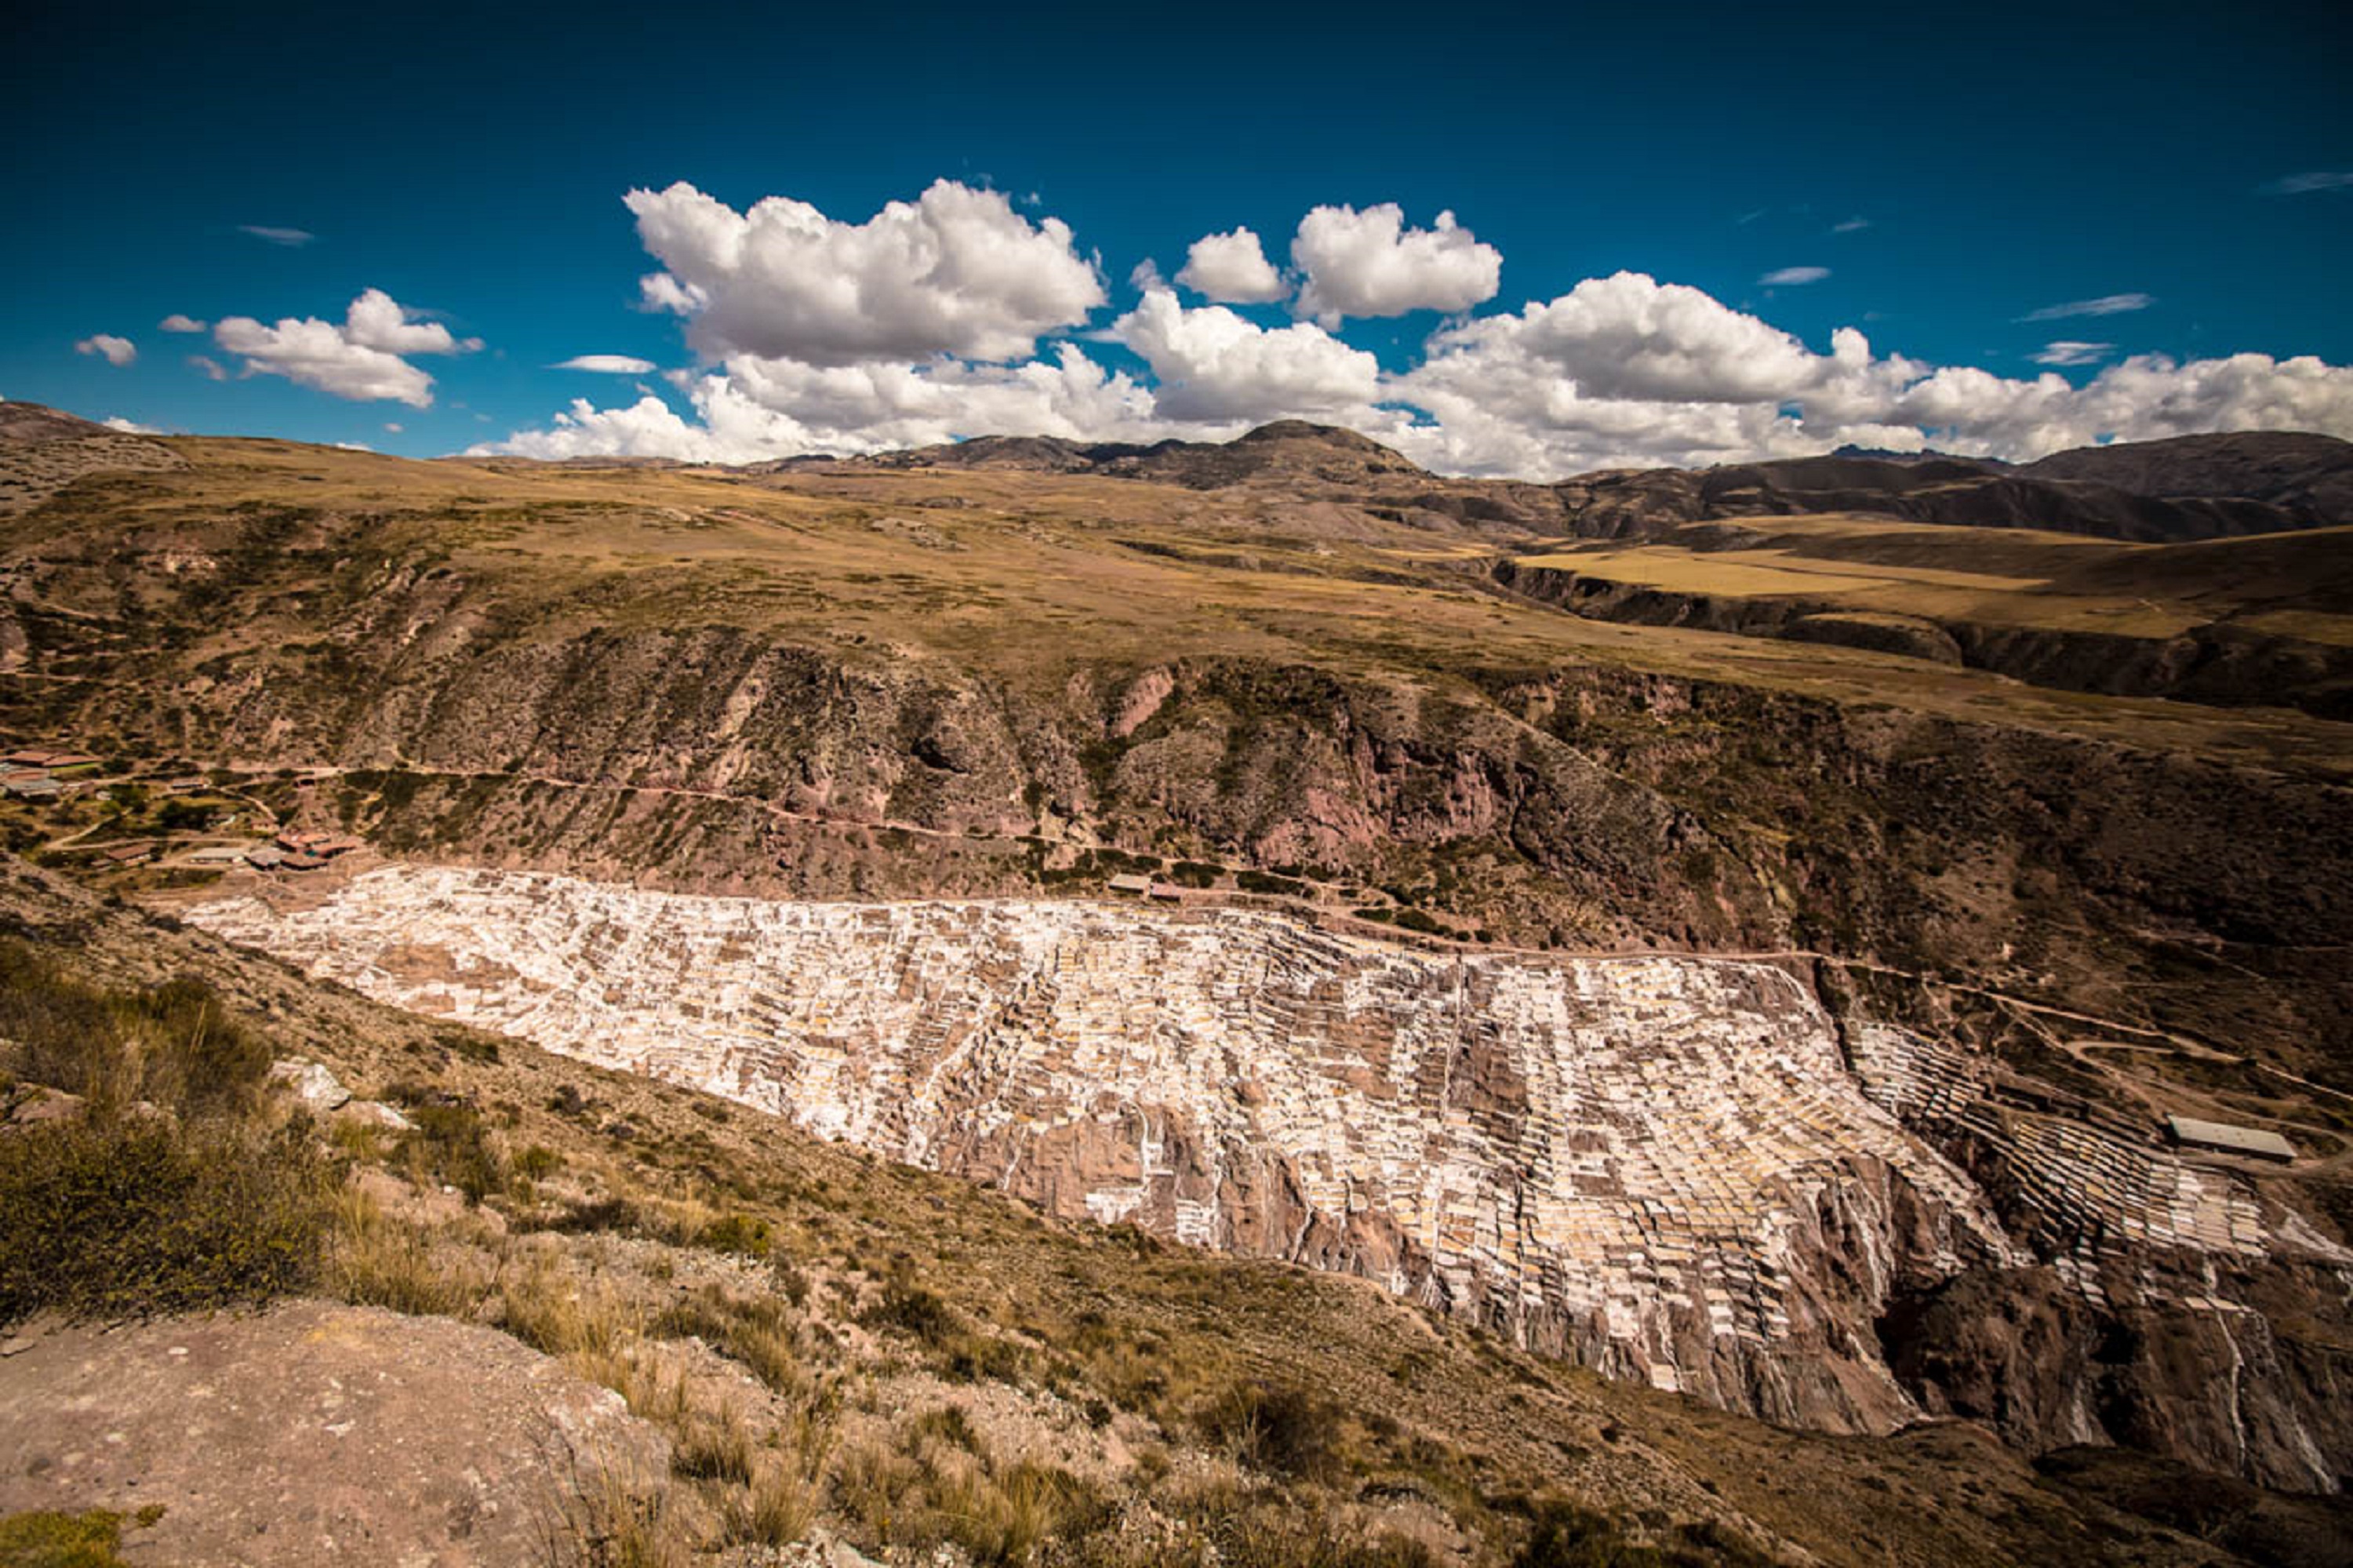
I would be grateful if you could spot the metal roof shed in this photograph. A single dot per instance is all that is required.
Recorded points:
(2221, 1138)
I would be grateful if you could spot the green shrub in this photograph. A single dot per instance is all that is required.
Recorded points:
(472, 1046)
(175, 1044)
(1275, 1427)
(1564, 1535)
(537, 1162)
(110, 1217)
(196, 1059)
(47, 1540)
(450, 1147)
(185, 816)
(913, 1311)
(595, 1214)
(746, 1236)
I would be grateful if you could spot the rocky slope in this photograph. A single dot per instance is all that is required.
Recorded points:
(43, 451)
(2309, 476)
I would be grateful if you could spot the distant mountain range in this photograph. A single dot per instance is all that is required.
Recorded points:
(2189, 487)
(2166, 492)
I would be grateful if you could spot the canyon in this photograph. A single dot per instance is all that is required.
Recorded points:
(1788, 1022)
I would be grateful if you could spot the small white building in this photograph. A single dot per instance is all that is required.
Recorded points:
(1135, 886)
(2221, 1138)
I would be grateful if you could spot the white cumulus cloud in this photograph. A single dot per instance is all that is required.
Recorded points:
(1629, 335)
(129, 427)
(921, 325)
(362, 358)
(115, 351)
(607, 365)
(956, 271)
(1213, 364)
(752, 409)
(1232, 269)
(1369, 264)
(175, 321)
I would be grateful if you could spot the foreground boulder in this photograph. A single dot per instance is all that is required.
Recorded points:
(314, 1432)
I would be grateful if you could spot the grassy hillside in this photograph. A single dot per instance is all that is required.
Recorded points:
(1000, 569)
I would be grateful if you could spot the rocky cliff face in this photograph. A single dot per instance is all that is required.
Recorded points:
(1661, 1167)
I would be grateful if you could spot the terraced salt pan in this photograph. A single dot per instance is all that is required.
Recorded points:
(1627, 1144)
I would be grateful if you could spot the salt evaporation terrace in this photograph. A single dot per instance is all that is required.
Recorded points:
(1635, 1159)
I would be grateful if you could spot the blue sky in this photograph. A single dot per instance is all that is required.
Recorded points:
(1950, 181)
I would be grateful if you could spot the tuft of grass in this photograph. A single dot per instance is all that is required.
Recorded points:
(537, 1162)
(632, 1370)
(913, 1310)
(450, 1146)
(1277, 1428)
(715, 1446)
(746, 1236)
(774, 1509)
(1565, 1535)
(756, 1332)
(608, 1523)
(550, 1310)
(938, 1485)
(173, 1046)
(373, 1261)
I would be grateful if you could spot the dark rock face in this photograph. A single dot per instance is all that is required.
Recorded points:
(1907, 636)
(2026, 1352)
